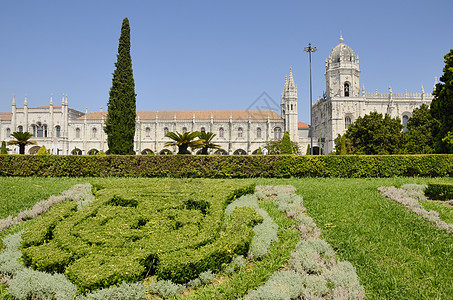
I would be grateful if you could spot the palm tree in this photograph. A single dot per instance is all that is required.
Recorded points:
(22, 139)
(206, 142)
(183, 141)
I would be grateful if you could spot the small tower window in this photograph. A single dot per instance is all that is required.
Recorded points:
(165, 131)
(93, 132)
(148, 132)
(347, 122)
(20, 128)
(8, 132)
(77, 133)
(221, 131)
(346, 89)
(240, 132)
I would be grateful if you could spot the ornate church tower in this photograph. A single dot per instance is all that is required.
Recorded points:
(342, 72)
(289, 107)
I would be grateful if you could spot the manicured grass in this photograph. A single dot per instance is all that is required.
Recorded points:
(20, 193)
(398, 255)
(445, 210)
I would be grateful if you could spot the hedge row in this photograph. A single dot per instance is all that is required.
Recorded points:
(439, 191)
(228, 166)
(172, 230)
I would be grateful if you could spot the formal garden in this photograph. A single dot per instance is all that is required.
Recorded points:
(251, 238)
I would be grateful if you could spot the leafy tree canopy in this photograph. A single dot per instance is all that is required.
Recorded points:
(286, 147)
(184, 141)
(22, 139)
(275, 147)
(442, 107)
(205, 139)
(418, 138)
(373, 134)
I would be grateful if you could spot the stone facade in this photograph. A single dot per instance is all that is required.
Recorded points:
(344, 101)
(74, 132)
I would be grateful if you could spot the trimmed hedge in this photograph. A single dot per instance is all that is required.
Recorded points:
(172, 229)
(439, 191)
(228, 166)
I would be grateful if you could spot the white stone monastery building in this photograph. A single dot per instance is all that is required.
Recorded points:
(68, 131)
(344, 101)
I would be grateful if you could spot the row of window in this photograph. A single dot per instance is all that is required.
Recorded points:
(39, 130)
(221, 133)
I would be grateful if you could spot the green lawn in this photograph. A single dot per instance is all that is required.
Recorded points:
(20, 193)
(398, 255)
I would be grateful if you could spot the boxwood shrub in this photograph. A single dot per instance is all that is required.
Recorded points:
(136, 228)
(228, 166)
(439, 191)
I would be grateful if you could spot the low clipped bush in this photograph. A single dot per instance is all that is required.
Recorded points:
(439, 191)
(133, 230)
(228, 166)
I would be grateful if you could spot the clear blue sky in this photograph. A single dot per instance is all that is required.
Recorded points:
(213, 55)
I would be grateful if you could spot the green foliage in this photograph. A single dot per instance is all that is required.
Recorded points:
(308, 150)
(120, 122)
(286, 147)
(173, 230)
(226, 166)
(418, 138)
(22, 140)
(281, 285)
(442, 106)
(439, 191)
(3, 148)
(373, 134)
(42, 151)
(184, 141)
(205, 139)
(166, 288)
(275, 147)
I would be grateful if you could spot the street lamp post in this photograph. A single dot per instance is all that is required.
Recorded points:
(309, 50)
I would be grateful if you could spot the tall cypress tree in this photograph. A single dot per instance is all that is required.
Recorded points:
(120, 122)
(286, 144)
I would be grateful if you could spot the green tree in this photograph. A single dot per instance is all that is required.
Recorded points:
(205, 139)
(418, 138)
(42, 151)
(442, 107)
(275, 147)
(22, 140)
(3, 150)
(308, 150)
(286, 147)
(120, 121)
(184, 141)
(374, 134)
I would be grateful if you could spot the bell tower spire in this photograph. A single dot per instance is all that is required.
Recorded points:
(289, 106)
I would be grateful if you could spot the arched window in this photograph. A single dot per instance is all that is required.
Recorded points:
(240, 132)
(184, 129)
(221, 132)
(291, 107)
(20, 128)
(93, 132)
(203, 129)
(77, 133)
(277, 133)
(57, 131)
(347, 122)
(258, 132)
(346, 89)
(165, 131)
(405, 119)
(8, 132)
(148, 132)
(40, 130)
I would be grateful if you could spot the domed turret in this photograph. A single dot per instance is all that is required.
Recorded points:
(342, 53)
(342, 72)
